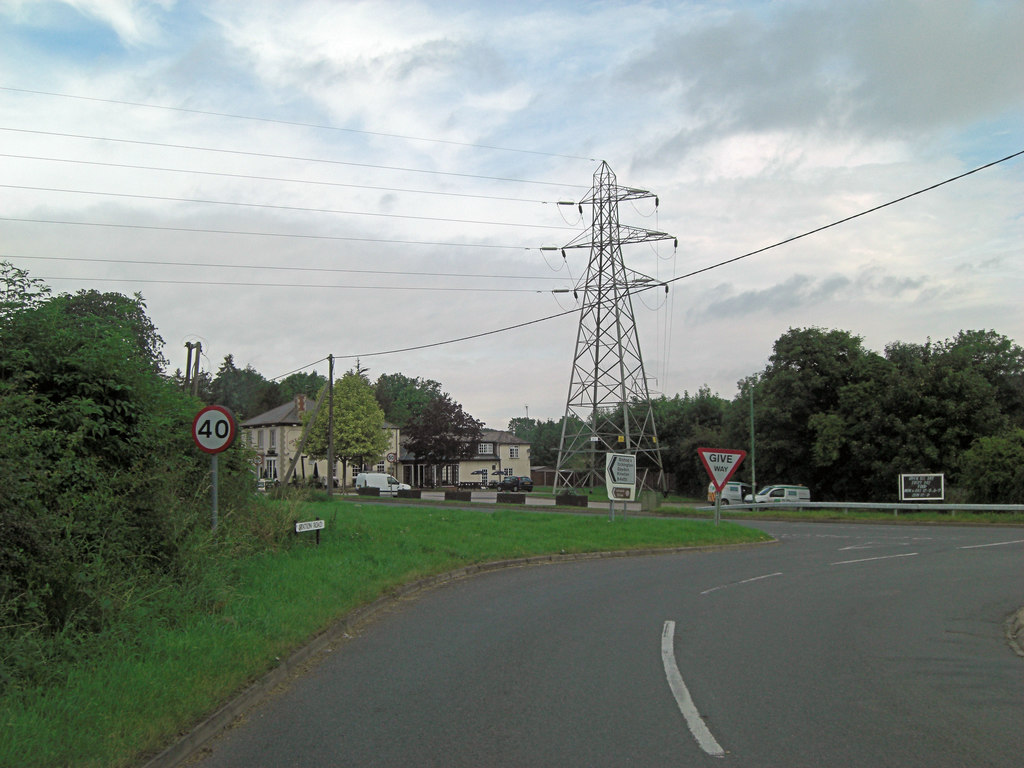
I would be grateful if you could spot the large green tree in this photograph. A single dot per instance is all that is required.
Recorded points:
(442, 432)
(358, 423)
(403, 398)
(244, 390)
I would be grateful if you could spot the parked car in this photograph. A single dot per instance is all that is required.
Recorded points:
(385, 482)
(732, 493)
(780, 494)
(515, 483)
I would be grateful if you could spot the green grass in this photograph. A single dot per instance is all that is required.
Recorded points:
(176, 658)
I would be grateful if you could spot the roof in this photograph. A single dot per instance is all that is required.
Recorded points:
(498, 436)
(282, 415)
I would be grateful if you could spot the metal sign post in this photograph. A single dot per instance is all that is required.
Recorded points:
(213, 431)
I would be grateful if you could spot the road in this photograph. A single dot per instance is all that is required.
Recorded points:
(841, 645)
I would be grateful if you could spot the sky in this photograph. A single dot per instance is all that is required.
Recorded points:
(380, 181)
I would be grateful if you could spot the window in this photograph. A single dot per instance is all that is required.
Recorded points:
(487, 448)
(259, 438)
(273, 439)
(508, 471)
(380, 467)
(513, 451)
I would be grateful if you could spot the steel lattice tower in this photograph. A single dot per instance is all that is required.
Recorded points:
(608, 408)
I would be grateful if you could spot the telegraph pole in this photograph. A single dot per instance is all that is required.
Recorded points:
(608, 408)
(330, 426)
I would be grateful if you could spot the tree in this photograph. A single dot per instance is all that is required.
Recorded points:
(544, 438)
(403, 398)
(358, 424)
(442, 433)
(308, 384)
(993, 469)
(100, 474)
(243, 390)
(18, 291)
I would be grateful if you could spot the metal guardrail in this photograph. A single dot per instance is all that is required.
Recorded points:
(895, 506)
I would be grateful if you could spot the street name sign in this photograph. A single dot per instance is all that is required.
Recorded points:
(309, 525)
(721, 464)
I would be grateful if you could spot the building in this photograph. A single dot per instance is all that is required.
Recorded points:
(497, 454)
(275, 437)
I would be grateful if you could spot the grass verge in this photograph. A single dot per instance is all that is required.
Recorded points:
(174, 659)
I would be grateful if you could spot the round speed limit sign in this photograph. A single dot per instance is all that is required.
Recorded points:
(214, 429)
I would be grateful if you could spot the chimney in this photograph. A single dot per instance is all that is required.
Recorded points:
(300, 404)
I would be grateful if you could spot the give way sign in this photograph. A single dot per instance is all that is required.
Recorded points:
(721, 464)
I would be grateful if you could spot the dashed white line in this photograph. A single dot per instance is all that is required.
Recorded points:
(868, 559)
(693, 719)
(745, 581)
(994, 544)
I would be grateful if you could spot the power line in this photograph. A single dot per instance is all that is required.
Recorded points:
(846, 220)
(236, 283)
(294, 208)
(283, 269)
(300, 236)
(699, 271)
(269, 155)
(278, 121)
(277, 179)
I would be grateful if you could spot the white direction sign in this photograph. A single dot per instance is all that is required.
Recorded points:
(620, 476)
(721, 464)
(310, 525)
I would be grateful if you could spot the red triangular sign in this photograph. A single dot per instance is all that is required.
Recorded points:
(721, 464)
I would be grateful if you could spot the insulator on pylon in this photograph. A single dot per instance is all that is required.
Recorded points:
(676, 243)
(563, 253)
(656, 201)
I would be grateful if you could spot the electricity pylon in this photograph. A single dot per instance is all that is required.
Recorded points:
(608, 409)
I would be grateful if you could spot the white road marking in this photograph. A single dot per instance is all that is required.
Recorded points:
(868, 559)
(996, 544)
(745, 581)
(675, 682)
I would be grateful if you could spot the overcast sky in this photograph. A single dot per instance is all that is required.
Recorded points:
(286, 180)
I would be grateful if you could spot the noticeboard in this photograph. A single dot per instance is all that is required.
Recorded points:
(922, 487)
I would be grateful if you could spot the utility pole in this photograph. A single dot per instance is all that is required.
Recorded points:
(192, 367)
(608, 408)
(330, 426)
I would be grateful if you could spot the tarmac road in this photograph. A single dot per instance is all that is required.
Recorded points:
(842, 645)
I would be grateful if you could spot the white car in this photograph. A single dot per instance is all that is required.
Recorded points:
(388, 484)
(780, 494)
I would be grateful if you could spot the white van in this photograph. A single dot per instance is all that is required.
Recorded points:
(780, 494)
(732, 493)
(385, 482)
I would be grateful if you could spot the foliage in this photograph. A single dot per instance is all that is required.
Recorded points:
(442, 433)
(308, 384)
(101, 478)
(993, 469)
(358, 423)
(685, 424)
(403, 398)
(18, 291)
(243, 390)
(544, 438)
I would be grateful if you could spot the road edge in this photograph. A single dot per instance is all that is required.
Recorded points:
(188, 745)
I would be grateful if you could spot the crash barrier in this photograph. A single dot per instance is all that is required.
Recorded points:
(894, 507)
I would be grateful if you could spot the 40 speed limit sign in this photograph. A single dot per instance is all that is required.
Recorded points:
(214, 429)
